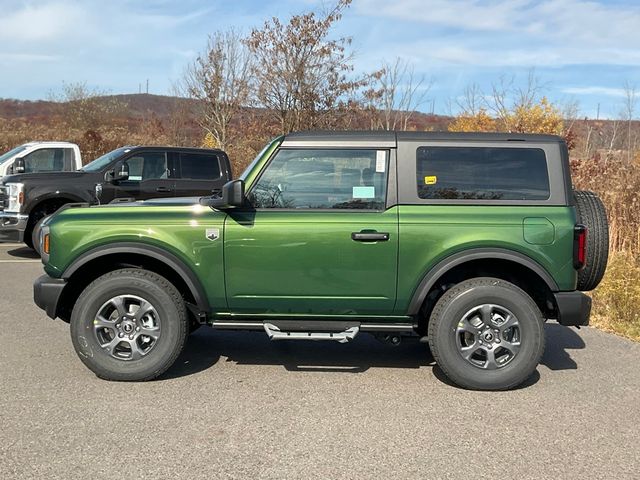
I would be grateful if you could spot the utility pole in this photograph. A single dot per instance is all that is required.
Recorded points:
(147, 86)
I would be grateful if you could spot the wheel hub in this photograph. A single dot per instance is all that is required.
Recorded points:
(488, 336)
(128, 326)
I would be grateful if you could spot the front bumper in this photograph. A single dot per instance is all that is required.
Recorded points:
(46, 293)
(12, 226)
(574, 308)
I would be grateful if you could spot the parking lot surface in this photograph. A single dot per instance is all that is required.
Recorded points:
(238, 406)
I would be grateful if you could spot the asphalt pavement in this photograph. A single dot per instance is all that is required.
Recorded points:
(238, 406)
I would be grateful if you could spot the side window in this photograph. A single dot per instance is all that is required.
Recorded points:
(323, 179)
(148, 166)
(199, 166)
(482, 173)
(49, 160)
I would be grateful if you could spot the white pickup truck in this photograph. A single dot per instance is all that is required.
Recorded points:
(36, 157)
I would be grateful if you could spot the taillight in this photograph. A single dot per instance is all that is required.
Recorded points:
(579, 246)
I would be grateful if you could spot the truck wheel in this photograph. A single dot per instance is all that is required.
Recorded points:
(28, 235)
(129, 325)
(486, 334)
(591, 213)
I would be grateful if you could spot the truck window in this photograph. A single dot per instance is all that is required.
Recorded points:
(148, 166)
(482, 173)
(50, 160)
(323, 179)
(199, 166)
(11, 153)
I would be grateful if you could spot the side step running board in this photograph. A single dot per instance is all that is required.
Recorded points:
(274, 333)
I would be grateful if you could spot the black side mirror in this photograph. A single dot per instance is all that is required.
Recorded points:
(232, 196)
(19, 165)
(119, 174)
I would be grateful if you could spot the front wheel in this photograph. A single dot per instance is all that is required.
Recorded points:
(486, 334)
(129, 325)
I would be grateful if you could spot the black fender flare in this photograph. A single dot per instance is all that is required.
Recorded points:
(442, 267)
(151, 251)
(38, 200)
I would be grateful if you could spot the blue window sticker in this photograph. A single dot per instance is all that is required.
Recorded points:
(364, 192)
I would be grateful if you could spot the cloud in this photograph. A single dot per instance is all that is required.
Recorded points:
(598, 91)
(37, 23)
(27, 57)
(512, 33)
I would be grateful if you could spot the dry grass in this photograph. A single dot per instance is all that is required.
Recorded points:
(616, 179)
(616, 301)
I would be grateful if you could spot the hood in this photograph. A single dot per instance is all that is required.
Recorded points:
(22, 177)
(158, 202)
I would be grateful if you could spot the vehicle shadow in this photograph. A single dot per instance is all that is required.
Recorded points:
(23, 252)
(206, 347)
(559, 340)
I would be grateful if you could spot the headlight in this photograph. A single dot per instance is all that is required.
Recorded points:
(15, 192)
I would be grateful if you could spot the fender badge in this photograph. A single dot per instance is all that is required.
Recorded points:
(212, 233)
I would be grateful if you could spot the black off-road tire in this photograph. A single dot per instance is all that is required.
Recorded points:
(28, 234)
(455, 304)
(591, 213)
(153, 288)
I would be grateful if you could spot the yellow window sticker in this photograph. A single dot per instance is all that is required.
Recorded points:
(430, 179)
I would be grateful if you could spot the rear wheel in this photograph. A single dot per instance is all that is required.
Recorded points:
(129, 325)
(591, 213)
(486, 334)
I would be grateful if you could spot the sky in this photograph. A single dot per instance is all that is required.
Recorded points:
(580, 50)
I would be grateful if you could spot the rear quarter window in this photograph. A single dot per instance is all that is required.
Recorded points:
(199, 166)
(482, 173)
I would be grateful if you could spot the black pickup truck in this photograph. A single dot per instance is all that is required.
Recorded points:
(130, 172)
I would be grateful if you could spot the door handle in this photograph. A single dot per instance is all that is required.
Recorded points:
(370, 236)
(163, 190)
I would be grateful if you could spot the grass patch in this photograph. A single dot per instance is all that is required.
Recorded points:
(616, 301)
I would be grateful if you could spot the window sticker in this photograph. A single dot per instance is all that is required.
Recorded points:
(430, 180)
(381, 161)
(364, 192)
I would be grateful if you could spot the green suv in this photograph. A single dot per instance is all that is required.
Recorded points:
(467, 241)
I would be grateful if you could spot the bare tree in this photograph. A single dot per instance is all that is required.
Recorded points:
(506, 97)
(87, 108)
(629, 111)
(611, 136)
(220, 82)
(398, 93)
(302, 74)
(472, 100)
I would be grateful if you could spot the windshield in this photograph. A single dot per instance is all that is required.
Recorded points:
(11, 153)
(101, 162)
(244, 174)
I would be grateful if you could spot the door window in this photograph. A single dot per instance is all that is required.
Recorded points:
(50, 160)
(199, 166)
(323, 179)
(148, 166)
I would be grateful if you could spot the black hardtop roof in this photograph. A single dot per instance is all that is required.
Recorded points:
(382, 135)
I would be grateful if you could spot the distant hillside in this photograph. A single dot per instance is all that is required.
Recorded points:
(138, 105)
(141, 105)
